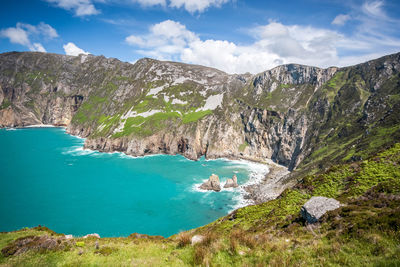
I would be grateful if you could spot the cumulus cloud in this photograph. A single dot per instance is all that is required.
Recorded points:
(72, 50)
(276, 43)
(16, 35)
(147, 3)
(22, 33)
(191, 6)
(340, 19)
(79, 7)
(164, 40)
(196, 5)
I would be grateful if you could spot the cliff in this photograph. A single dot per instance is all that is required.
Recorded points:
(292, 114)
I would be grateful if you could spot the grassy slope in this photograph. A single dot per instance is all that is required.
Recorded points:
(365, 231)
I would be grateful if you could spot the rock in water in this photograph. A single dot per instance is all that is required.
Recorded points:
(231, 182)
(316, 207)
(212, 183)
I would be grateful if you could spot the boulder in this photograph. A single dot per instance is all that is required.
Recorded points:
(35, 243)
(197, 239)
(231, 182)
(316, 207)
(92, 235)
(68, 236)
(212, 183)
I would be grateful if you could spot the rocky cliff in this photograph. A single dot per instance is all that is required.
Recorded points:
(298, 116)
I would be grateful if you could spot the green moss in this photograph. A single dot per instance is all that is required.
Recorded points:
(90, 110)
(145, 126)
(6, 103)
(195, 116)
(80, 244)
(334, 84)
(243, 146)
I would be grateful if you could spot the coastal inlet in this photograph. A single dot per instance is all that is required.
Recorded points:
(49, 179)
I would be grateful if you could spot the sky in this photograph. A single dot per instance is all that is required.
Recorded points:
(235, 36)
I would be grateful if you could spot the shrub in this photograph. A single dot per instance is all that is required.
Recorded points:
(184, 239)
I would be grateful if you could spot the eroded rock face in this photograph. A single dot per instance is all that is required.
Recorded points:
(316, 207)
(153, 107)
(212, 183)
(231, 182)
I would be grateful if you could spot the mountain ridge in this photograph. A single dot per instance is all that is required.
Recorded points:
(167, 107)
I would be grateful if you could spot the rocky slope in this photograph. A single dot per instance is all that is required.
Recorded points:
(291, 114)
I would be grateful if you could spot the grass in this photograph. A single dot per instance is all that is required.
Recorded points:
(195, 116)
(364, 231)
(243, 146)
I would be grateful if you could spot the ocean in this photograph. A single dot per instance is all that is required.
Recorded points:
(47, 178)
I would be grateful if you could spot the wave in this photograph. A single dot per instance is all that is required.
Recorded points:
(78, 151)
(257, 173)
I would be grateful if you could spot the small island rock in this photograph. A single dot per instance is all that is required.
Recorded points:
(231, 182)
(212, 183)
(316, 207)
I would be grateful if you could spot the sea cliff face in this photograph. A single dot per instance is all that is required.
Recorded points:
(291, 114)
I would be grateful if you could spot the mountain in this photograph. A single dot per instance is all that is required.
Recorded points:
(337, 129)
(292, 114)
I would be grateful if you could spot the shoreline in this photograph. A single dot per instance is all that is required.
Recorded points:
(253, 191)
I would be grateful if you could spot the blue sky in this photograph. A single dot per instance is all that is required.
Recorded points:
(236, 36)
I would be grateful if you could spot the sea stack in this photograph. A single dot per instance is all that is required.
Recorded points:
(231, 182)
(212, 183)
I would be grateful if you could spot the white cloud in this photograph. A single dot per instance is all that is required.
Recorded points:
(22, 32)
(340, 19)
(38, 47)
(72, 50)
(276, 43)
(147, 3)
(191, 6)
(166, 39)
(374, 9)
(47, 30)
(79, 7)
(196, 5)
(16, 35)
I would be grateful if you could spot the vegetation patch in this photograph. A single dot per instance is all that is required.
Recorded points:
(243, 146)
(6, 103)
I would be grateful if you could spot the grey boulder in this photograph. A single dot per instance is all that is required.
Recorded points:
(316, 207)
(231, 182)
(212, 183)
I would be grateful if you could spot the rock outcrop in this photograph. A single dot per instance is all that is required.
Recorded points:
(35, 243)
(92, 235)
(212, 183)
(316, 207)
(231, 182)
(196, 239)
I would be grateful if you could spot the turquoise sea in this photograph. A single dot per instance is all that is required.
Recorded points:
(47, 178)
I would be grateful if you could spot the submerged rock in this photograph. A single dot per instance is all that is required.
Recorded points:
(231, 182)
(316, 207)
(212, 183)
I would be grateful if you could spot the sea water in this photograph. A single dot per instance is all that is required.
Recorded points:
(47, 178)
